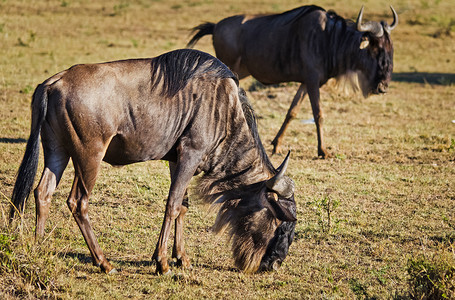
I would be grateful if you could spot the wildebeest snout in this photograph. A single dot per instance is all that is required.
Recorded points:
(382, 88)
(270, 266)
(278, 246)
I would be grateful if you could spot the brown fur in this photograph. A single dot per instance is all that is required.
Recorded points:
(184, 106)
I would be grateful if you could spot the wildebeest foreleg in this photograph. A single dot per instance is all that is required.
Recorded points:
(313, 93)
(84, 181)
(292, 113)
(184, 171)
(178, 251)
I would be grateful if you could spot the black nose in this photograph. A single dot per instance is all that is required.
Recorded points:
(382, 88)
(276, 265)
(270, 265)
(278, 247)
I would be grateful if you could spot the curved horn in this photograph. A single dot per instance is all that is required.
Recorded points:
(373, 27)
(284, 164)
(281, 184)
(394, 24)
(358, 22)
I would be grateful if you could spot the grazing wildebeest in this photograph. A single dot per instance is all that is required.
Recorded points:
(306, 45)
(185, 107)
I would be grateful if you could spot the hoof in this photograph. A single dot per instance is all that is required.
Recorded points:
(112, 272)
(276, 147)
(164, 270)
(323, 154)
(276, 150)
(106, 267)
(183, 263)
(168, 273)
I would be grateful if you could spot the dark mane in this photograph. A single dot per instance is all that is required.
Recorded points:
(174, 69)
(336, 39)
(297, 13)
(252, 124)
(210, 187)
(341, 34)
(339, 25)
(291, 18)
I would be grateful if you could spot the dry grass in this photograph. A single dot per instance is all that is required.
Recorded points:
(390, 183)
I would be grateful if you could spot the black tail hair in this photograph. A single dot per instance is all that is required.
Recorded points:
(203, 29)
(27, 170)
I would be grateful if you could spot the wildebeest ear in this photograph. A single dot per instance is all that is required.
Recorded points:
(364, 43)
(279, 211)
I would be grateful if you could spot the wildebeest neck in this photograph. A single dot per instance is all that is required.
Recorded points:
(246, 163)
(340, 45)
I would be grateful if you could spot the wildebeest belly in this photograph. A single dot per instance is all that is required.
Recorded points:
(127, 150)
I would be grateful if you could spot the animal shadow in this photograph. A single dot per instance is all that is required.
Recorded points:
(425, 77)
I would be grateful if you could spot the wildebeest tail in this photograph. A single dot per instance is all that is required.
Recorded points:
(202, 29)
(27, 170)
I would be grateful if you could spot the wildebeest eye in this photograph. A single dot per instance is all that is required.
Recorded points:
(271, 196)
(278, 208)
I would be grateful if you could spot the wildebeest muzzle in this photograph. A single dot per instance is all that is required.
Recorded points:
(278, 246)
(382, 88)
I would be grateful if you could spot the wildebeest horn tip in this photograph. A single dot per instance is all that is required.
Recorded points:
(374, 27)
(358, 22)
(285, 162)
(394, 24)
(283, 186)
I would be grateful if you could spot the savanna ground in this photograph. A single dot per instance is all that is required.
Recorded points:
(373, 221)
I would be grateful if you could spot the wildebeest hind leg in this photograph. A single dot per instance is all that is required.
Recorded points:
(84, 180)
(178, 251)
(313, 94)
(292, 113)
(55, 162)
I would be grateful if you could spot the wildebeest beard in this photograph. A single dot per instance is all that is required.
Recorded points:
(278, 246)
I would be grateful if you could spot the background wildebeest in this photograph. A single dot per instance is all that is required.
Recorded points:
(184, 107)
(306, 45)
